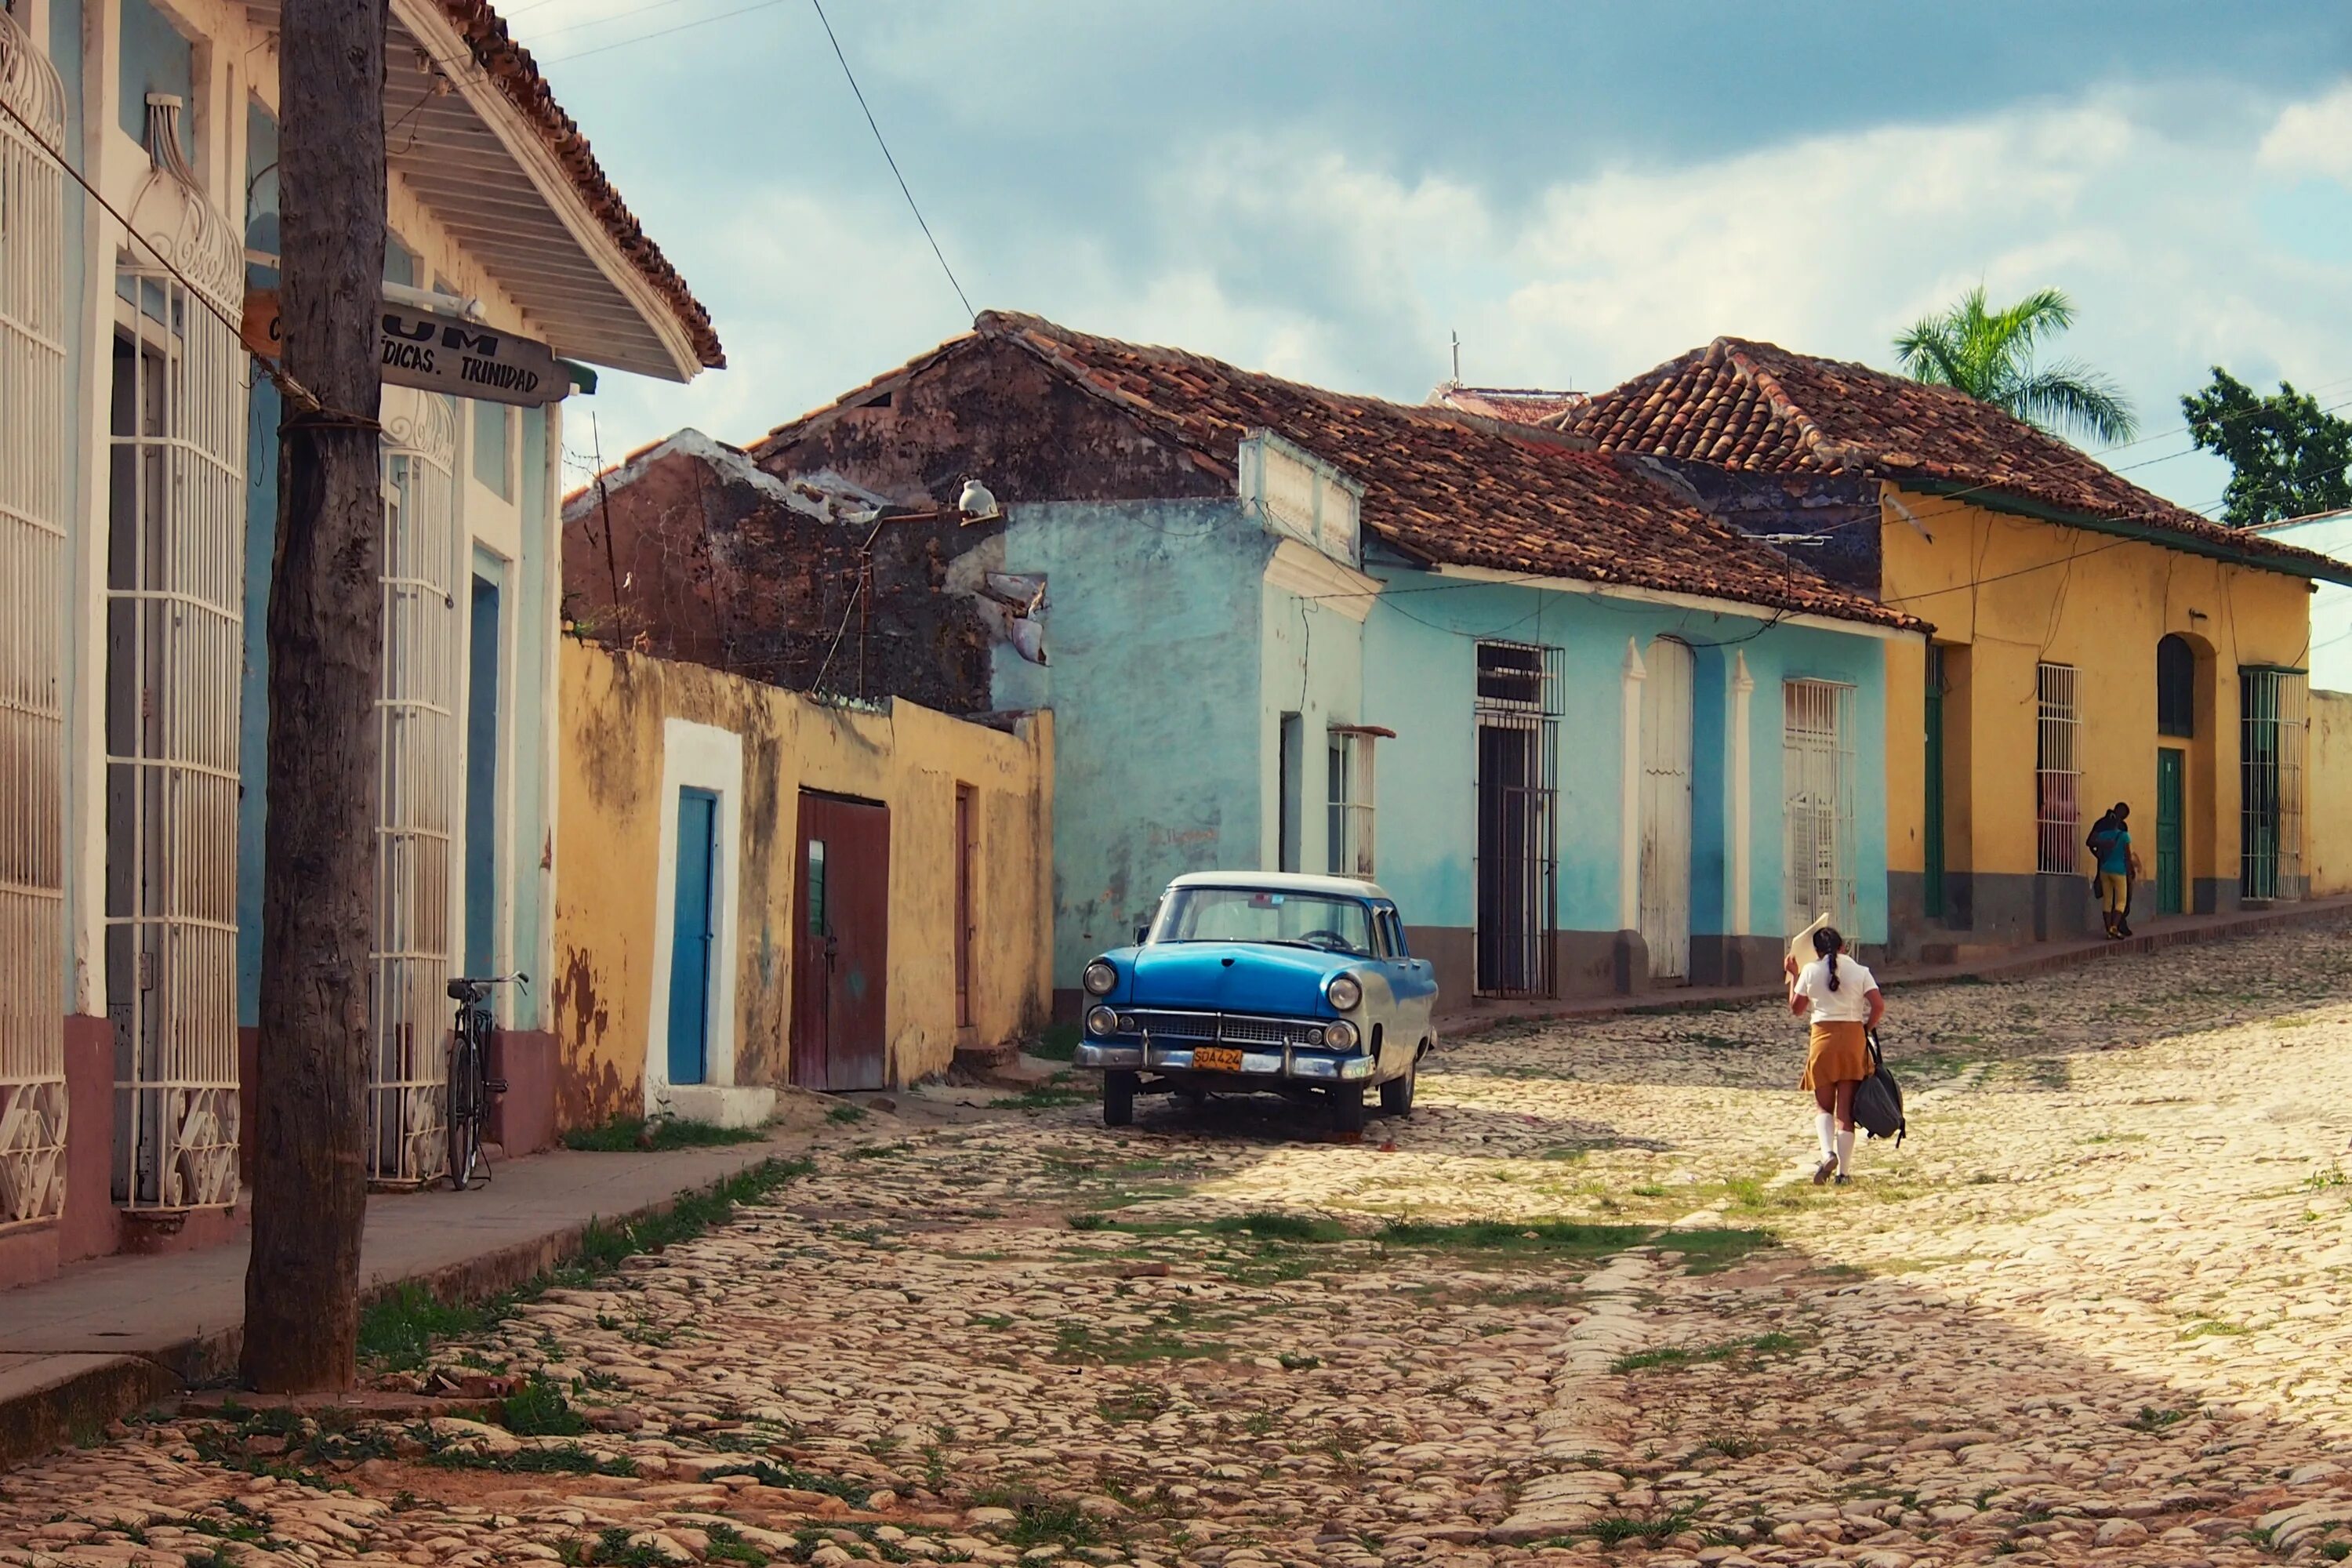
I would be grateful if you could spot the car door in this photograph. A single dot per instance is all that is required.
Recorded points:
(1412, 985)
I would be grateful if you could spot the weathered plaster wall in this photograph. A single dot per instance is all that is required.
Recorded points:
(2008, 593)
(614, 706)
(2328, 795)
(1156, 777)
(1838, 516)
(690, 560)
(992, 411)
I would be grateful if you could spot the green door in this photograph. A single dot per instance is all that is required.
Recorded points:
(2171, 880)
(1931, 826)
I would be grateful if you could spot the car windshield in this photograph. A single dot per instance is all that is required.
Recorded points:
(1259, 914)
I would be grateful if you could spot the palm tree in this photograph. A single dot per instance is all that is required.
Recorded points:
(1988, 354)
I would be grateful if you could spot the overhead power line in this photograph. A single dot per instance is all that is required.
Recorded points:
(911, 206)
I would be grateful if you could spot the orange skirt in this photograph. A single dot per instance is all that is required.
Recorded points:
(1840, 1054)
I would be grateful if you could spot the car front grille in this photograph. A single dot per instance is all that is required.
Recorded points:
(1234, 1028)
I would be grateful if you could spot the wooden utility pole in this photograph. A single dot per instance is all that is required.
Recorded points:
(317, 914)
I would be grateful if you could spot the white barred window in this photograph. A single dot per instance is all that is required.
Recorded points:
(33, 449)
(175, 669)
(2057, 770)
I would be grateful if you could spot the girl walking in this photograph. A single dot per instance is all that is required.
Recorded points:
(1844, 1000)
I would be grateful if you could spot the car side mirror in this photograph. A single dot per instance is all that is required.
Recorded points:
(1143, 933)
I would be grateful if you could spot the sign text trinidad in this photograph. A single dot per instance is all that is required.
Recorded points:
(436, 352)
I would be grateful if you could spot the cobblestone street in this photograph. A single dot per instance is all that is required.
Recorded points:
(1582, 1307)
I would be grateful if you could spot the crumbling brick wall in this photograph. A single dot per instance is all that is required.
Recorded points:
(688, 560)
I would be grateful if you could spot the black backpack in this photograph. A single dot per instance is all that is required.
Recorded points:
(1878, 1099)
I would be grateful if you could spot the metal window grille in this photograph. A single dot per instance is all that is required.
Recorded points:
(416, 795)
(2057, 770)
(1351, 805)
(33, 447)
(1518, 708)
(174, 656)
(1818, 797)
(2272, 708)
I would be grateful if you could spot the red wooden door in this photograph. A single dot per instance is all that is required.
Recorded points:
(841, 959)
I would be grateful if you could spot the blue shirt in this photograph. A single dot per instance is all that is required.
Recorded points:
(2115, 852)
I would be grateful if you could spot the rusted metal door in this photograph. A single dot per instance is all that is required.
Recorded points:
(841, 960)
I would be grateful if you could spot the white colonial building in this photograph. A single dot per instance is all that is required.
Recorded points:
(138, 506)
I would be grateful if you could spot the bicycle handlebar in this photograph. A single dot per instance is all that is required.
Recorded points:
(474, 987)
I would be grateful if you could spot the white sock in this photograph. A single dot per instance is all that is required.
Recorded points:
(1825, 1125)
(1846, 1150)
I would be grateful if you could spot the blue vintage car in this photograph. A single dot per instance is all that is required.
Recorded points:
(1263, 980)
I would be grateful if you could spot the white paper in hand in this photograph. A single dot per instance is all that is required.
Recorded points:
(1801, 943)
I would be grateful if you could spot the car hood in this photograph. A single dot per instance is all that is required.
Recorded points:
(1233, 977)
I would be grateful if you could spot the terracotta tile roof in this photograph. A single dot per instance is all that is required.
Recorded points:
(1446, 487)
(1518, 404)
(510, 65)
(1758, 407)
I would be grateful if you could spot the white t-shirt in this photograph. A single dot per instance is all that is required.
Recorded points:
(1848, 1004)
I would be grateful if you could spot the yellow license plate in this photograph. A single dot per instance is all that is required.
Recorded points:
(1216, 1058)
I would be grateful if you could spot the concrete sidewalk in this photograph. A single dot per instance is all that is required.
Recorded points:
(1477, 1017)
(106, 1337)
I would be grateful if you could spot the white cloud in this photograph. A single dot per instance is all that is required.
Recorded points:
(2312, 138)
(1289, 253)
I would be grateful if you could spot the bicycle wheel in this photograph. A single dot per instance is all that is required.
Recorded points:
(465, 1108)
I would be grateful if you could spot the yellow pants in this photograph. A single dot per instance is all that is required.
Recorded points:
(2115, 891)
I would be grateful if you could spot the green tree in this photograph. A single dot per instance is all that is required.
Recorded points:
(2288, 456)
(1990, 355)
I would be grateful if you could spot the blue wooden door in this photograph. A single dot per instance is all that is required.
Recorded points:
(689, 967)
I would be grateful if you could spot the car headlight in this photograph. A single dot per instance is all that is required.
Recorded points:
(1101, 1021)
(1339, 1036)
(1344, 992)
(1099, 979)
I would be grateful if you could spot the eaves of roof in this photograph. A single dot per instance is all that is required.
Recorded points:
(2300, 563)
(509, 65)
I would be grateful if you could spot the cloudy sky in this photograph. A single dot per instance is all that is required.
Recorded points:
(1329, 190)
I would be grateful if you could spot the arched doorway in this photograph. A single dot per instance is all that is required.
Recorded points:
(2176, 721)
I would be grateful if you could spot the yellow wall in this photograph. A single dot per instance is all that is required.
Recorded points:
(2011, 591)
(2328, 795)
(610, 762)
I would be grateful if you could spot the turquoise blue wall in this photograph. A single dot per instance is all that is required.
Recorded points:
(263, 411)
(1802, 653)
(1420, 664)
(532, 648)
(1153, 633)
(155, 58)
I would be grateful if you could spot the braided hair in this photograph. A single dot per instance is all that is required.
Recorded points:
(1827, 942)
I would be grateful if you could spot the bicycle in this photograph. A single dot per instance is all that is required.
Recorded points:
(470, 1087)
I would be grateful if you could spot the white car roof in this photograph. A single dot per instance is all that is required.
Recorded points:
(1282, 882)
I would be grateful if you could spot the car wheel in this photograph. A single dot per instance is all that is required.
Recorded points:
(1195, 1101)
(1118, 1099)
(1396, 1095)
(1347, 1107)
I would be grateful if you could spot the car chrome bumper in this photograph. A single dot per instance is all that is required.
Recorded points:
(1271, 1062)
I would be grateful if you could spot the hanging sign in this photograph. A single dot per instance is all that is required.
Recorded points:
(435, 352)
